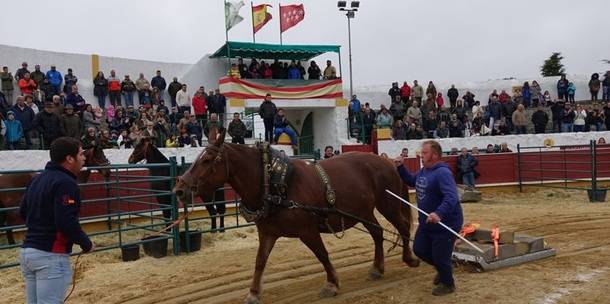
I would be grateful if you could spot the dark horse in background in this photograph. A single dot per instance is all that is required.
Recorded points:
(359, 181)
(94, 157)
(145, 149)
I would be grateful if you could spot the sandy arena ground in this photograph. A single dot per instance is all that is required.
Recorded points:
(221, 272)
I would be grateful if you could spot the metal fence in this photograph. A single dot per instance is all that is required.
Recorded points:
(580, 167)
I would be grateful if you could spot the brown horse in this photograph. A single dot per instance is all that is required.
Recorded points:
(94, 157)
(359, 181)
(146, 150)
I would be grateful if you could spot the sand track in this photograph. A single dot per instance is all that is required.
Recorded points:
(221, 272)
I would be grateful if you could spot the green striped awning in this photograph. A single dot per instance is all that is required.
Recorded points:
(234, 49)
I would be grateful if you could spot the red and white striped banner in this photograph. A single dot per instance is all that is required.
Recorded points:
(244, 89)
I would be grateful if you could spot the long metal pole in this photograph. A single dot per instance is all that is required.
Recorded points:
(441, 223)
(349, 38)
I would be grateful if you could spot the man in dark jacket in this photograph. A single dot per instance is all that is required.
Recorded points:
(495, 111)
(173, 89)
(76, 100)
(267, 112)
(25, 115)
(50, 209)
(466, 164)
(281, 125)
(71, 124)
(436, 195)
(237, 130)
(69, 80)
(48, 124)
(567, 119)
(562, 88)
(128, 87)
(159, 83)
(38, 76)
(217, 104)
(394, 91)
(557, 114)
(607, 116)
(540, 119)
(453, 95)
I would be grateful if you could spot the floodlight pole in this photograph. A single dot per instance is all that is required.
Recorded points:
(350, 14)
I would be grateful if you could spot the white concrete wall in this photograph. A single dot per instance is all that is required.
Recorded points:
(394, 147)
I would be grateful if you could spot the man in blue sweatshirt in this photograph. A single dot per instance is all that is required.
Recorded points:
(50, 210)
(437, 196)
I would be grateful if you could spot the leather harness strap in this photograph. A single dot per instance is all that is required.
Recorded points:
(331, 196)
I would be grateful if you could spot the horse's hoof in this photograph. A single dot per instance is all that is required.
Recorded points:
(375, 274)
(329, 290)
(412, 262)
(252, 299)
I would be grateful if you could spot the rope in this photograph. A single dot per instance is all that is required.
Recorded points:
(75, 272)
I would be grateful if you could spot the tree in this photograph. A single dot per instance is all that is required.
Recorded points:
(606, 61)
(553, 66)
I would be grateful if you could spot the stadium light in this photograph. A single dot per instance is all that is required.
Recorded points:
(350, 14)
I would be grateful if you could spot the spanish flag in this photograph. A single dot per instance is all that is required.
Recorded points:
(260, 16)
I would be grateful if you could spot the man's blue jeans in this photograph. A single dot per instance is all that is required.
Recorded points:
(293, 136)
(468, 179)
(128, 97)
(47, 276)
(566, 127)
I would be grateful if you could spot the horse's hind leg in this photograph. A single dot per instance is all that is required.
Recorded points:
(377, 234)
(221, 208)
(394, 213)
(313, 241)
(212, 212)
(9, 237)
(265, 244)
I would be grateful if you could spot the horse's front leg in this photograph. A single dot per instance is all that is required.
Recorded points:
(313, 241)
(265, 245)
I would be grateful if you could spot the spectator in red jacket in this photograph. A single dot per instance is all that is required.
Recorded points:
(504, 97)
(114, 89)
(200, 106)
(440, 101)
(27, 85)
(405, 92)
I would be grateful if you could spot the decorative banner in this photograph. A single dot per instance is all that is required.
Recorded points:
(260, 16)
(243, 89)
(232, 16)
(291, 15)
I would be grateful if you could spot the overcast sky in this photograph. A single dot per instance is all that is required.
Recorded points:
(393, 40)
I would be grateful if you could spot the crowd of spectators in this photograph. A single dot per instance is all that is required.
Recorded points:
(418, 113)
(45, 106)
(281, 70)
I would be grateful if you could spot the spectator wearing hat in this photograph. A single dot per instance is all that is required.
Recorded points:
(22, 71)
(14, 131)
(69, 80)
(71, 124)
(48, 125)
(55, 79)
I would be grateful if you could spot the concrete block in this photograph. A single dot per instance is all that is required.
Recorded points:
(484, 235)
(529, 244)
(505, 251)
(468, 196)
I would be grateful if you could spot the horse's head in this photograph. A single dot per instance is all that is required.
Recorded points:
(95, 157)
(208, 172)
(141, 150)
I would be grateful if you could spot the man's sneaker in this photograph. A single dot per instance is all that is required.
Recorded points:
(441, 290)
(437, 279)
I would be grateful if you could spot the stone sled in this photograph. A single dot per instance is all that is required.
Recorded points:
(514, 249)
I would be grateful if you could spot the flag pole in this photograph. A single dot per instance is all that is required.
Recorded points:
(252, 13)
(227, 37)
(280, 14)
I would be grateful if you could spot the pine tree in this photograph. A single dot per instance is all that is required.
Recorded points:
(606, 61)
(553, 66)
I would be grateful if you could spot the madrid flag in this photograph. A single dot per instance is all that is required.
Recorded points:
(290, 15)
(260, 16)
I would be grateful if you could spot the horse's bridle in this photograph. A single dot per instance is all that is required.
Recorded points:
(212, 169)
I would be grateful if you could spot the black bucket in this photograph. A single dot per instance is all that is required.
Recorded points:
(597, 196)
(156, 248)
(194, 241)
(130, 253)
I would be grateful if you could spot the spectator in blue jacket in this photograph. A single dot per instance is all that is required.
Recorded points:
(293, 71)
(437, 196)
(14, 131)
(562, 88)
(159, 83)
(280, 125)
(25, 115)
(55, 80)
(50, 208)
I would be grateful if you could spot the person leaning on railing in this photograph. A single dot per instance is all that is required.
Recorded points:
(237, 130)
